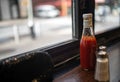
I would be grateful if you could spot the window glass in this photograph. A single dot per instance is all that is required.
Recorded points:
(107, 15)
(30, 24)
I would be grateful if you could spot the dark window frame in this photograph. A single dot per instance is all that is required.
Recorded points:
(71, 47)
(69, 50)
(66, 51)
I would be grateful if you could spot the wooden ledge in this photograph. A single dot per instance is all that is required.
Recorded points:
(76, 75)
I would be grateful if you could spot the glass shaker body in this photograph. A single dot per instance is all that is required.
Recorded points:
(102, 67)
(88, 45)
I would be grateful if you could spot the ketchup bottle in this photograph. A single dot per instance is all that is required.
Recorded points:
(88, 44)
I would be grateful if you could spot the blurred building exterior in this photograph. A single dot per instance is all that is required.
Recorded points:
(9, 9)
(62, 5)
(13, 9)
(114, 5)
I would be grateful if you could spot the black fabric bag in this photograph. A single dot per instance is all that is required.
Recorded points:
(26, 68)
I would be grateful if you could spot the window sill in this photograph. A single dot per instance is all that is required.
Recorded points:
(76, 74)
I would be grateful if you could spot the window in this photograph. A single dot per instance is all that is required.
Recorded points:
(107, 15)
(50, 24)
(63, 45)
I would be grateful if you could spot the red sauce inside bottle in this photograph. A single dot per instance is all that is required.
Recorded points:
(88, 47)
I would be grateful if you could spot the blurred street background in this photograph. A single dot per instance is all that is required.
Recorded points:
(30, 24)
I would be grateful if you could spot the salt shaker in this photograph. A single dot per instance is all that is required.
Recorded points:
(102, 66)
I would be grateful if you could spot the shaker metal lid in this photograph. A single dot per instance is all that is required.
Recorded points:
(102, 47)
(102, 54)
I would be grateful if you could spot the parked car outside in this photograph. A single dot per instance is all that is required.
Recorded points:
(46, 11)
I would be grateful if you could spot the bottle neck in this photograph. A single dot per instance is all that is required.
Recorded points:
(87, 23)
(88, 28)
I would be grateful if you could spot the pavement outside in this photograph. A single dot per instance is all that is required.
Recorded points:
(48, 32)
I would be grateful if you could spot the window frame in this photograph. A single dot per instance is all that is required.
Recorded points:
(66, 51)
(69, 50)
(71, 47)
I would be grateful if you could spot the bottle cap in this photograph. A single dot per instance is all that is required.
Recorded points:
(87, 16)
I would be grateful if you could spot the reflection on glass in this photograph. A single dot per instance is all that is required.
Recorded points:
(107, 15)
(52, 24)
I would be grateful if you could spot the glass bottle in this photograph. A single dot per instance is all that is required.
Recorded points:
(102, 66)
(88, 44)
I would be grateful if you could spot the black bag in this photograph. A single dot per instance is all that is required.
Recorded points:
(26, 68)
